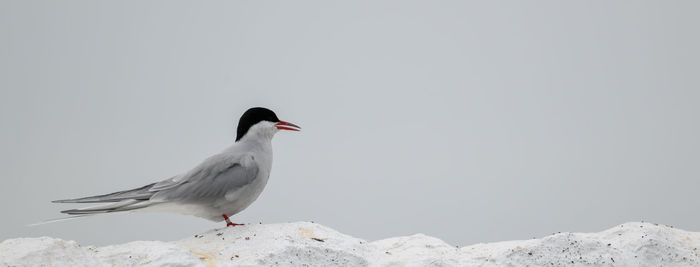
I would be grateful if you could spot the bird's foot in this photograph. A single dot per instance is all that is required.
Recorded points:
(228, 222)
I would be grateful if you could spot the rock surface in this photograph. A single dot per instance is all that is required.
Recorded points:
(310, 244)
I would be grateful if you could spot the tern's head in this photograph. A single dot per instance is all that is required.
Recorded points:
(261, 122)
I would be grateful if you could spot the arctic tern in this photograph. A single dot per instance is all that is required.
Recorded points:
(221, 186)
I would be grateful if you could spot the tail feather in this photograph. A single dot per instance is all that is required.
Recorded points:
(125, 205)
(59, 219)
(141, 193)
(126, 200)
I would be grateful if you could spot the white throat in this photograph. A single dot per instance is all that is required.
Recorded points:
(260, 132)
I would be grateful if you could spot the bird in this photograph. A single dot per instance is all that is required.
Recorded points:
(219, 187)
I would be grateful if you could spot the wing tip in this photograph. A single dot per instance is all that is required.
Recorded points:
(86, 200)
(69, 212)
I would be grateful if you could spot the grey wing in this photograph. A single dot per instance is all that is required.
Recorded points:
(219, 172)
(210, 181)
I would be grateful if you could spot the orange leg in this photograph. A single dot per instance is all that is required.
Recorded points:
(228, 222)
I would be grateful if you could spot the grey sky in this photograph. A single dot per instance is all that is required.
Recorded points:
(471, 121)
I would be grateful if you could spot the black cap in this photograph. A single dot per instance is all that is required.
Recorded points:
(251, 117)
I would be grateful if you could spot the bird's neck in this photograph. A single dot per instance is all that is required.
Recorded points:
(263, 141)
(259, 140)
(260, 133)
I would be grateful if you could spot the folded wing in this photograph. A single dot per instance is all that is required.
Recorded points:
(209, 180)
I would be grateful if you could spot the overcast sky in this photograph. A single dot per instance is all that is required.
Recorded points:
(471, 121)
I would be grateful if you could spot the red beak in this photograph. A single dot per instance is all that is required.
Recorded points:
(283, 125)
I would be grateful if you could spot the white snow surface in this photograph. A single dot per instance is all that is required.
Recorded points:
(311, 244)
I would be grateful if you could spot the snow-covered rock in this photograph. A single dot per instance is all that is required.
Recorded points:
(310, 244)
